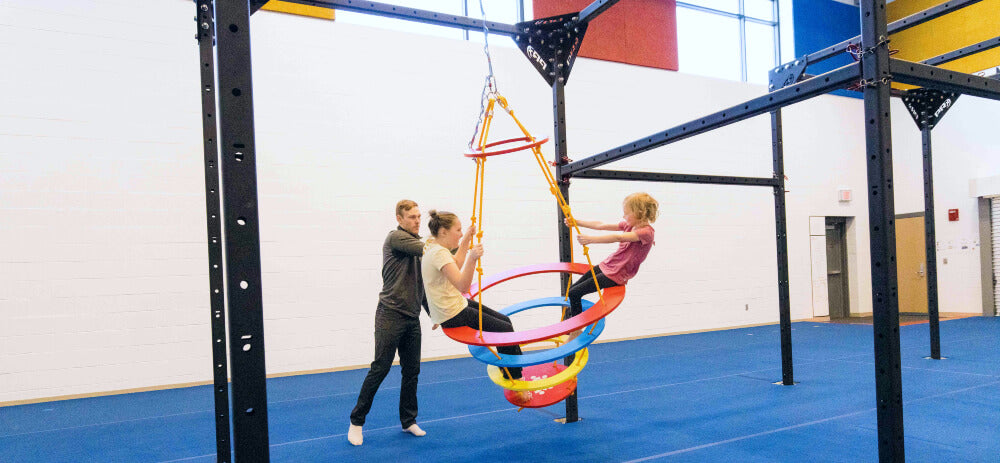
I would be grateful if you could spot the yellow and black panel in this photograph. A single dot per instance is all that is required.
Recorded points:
(301, 10)
(961, 28)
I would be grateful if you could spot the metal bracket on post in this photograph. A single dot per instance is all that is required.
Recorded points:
(786, 74)
(927, 105)
(551, 44)
(205, 19)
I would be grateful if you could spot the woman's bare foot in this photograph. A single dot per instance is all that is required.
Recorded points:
(573, 335)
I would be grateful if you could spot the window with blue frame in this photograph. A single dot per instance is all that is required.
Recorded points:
(728, 39)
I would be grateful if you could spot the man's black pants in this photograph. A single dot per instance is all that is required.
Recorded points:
(392, 333)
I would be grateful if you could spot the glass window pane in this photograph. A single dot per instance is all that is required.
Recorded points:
(731, 6)
(449, 7)
(760, 9)
(708, 44)
(760, 52)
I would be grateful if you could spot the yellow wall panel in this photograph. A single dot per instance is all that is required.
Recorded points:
(295, 8)
(967, 26)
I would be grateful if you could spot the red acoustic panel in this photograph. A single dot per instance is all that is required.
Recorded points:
(640, 32)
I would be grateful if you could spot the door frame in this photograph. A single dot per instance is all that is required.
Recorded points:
(913, 215)
(840, 224)
(986, 255)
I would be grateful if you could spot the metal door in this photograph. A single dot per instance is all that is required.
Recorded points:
(836, 267)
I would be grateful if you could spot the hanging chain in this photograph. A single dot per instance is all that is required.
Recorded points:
(490, 89)
(858, 54)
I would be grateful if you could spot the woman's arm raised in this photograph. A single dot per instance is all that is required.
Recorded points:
(463, 246)
(462, 279)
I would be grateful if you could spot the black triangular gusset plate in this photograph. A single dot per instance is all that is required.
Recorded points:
(551, 44)
(927, 105)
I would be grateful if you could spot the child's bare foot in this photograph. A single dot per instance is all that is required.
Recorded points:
(522, 396)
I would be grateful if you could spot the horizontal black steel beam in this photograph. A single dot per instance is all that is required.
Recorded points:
(595, 9)
(893, 92)
(896, 26)
(601, 174)
(823, 83)
(411, 14)
(963, 52)
(924, 75)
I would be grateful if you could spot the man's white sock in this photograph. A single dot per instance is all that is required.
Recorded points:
(415, 430)
(354, 435)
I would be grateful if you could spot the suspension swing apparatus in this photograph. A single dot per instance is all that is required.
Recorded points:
(479, 151)
(546, 372)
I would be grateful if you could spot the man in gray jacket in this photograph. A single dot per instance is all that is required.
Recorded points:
(397, 324)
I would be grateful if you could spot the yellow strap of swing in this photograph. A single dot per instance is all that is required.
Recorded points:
(553, 188)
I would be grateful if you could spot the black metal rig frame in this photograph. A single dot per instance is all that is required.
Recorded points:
(235, 158)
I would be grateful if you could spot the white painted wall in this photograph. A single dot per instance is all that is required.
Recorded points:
(965, 147)
(102, 225)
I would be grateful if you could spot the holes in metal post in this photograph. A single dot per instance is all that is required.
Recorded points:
(244, 284)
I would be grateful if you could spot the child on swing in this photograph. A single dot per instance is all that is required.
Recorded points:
(635, 238)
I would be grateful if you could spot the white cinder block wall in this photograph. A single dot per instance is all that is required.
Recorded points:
(102, 224)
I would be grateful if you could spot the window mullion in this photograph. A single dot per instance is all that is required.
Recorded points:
(743, 42)
(465, 12)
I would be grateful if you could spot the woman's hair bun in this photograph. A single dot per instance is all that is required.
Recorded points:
(433, 212)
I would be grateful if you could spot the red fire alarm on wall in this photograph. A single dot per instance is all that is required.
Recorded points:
(953, 215)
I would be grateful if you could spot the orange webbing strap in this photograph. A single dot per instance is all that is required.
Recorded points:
(477, 199)
(475, 194)
(498, 358)
(487, 120)
(479, 240)
(554, 189)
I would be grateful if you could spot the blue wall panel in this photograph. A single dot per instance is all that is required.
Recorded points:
(821, 23)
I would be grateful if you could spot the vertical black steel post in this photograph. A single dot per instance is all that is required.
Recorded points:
(881, 216)
(565, 245)
(242, 233)
(220, 379)
(930, 244)
(780, 229)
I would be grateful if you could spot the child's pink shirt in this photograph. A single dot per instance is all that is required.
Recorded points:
(624, 263)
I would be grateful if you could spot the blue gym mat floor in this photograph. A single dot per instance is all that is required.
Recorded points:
(705, 397)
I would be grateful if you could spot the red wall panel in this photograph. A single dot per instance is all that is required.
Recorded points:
(640, 32)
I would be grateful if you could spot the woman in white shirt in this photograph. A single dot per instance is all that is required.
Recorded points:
(446, 276)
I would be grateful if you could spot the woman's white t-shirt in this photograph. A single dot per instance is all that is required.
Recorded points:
(443, 298)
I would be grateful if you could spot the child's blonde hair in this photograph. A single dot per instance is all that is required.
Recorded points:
(642, 206)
